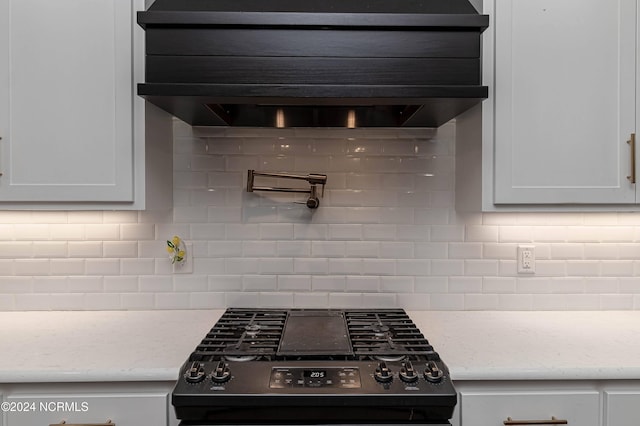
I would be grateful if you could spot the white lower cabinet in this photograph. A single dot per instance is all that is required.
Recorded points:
(132, 409)
(120, 403)
(494, 405)
(622, 407)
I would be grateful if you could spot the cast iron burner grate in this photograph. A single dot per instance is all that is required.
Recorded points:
(256, 335)
(242, 335)
(388, 335)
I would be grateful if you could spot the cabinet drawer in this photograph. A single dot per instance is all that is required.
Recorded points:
(133, 409)
(622, 408)
(579, 408)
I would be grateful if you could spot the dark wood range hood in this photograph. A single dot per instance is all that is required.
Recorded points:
(300, 63)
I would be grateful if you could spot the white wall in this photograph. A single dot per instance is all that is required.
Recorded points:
(386, 234)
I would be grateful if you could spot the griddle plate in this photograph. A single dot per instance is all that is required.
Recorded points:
(309, 333)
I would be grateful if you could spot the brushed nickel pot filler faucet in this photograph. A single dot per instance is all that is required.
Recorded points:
(314, 180)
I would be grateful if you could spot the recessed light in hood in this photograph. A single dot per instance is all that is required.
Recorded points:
(335, 63)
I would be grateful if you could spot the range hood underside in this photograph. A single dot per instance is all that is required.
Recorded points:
(202, 110)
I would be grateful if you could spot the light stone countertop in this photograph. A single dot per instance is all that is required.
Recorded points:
(113, 346)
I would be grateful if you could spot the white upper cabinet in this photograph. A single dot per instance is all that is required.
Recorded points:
(564, 100)
(562, 105)
(66, 108)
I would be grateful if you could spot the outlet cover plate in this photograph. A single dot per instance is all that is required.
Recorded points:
(526, 259)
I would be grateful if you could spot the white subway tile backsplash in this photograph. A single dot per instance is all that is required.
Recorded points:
(242, 300)
(479, 267)
(222, 283)
(85, 249)
(379, 232)
(294, 282)
(14, 249)
(447, 267)
(330, 283)
(276, 266)
(345, 300)
(515, 234)
(120, 217)
(26, 232)
(100, 301)
(275, 300)
(207, 301)
(84, 285)
(122, 249)
(310, 300)
(69, 267)
(137, 301)
(413, 267)
(363, 283)
(447, 302)
(378, 267)
(386, 234)
(629, 285)
(481, 302)
(582, 268)
(414, 301)
(102, 232)
(328, 248)
(32, 267)
(615, 302)
(396, 284)
(515, 302)
(617, 268)
(137, 266)
(345, 266)
(259, 283)
(465, 285)
(447, 233)
(121, 284)
(172, 301)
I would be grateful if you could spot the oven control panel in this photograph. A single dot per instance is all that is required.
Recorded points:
(311, 377)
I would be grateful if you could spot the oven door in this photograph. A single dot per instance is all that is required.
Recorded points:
(188, 423)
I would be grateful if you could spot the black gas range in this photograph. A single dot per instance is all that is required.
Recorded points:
(314, 366)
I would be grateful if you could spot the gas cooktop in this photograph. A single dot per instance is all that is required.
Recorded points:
(311, 366)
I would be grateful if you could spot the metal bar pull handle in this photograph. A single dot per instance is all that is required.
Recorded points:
(632, 145)
(553, 421)
(108, 423)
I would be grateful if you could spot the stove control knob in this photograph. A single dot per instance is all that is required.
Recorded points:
(382, 373)
(408, 373)
(433, 373)
(195, 373)
(221, 373)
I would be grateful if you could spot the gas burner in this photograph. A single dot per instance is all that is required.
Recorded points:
(390, 358)
(380, 330)
(240, 358)
(253, 329)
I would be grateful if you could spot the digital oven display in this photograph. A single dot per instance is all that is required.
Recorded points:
(305, 377)
(315, 374)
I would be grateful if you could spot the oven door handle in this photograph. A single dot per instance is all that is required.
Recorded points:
(553, 421)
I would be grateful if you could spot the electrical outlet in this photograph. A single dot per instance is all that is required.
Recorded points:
(186, 266)
(526, 260)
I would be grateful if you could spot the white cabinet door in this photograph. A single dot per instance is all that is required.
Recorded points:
(134, 409)
(622, 408)
(66, 118)
(492, 408)
(564, 100)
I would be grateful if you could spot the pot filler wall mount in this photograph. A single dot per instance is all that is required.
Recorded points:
(314, 179)
(332, 63)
